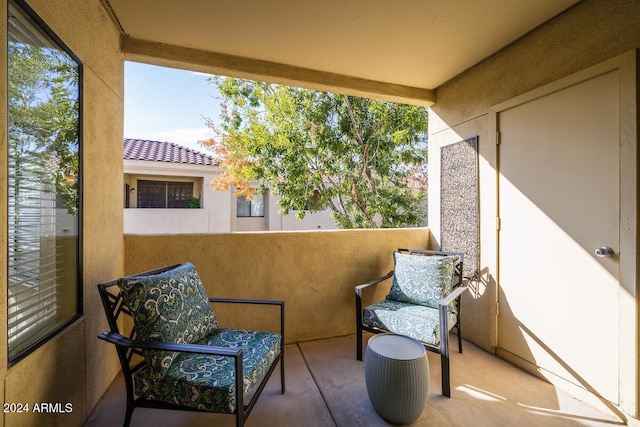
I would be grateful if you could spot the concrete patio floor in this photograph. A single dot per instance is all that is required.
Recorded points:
(325, 387)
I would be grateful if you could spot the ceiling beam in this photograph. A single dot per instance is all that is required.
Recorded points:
(255, 69)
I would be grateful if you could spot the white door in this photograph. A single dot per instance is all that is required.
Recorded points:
(559, 202)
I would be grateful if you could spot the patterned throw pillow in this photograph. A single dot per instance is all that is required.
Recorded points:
(422, 280)
(171, 307)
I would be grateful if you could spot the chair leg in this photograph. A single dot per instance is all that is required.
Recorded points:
(444, 351)
(446, 380)
(282, 371)
(359, 342)
(128, 415)
(458, 326)
(358, 327)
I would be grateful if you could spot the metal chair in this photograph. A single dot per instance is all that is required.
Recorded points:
(423, 303)
(153, 367)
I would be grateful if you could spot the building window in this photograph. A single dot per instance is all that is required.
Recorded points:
(164, 194)
(44, 183)
(250, 208)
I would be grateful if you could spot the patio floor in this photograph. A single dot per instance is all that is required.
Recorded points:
(325, 387)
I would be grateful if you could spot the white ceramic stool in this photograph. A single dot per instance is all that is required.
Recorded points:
(397, 376)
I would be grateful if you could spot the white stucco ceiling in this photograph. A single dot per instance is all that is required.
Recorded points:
(414, 43)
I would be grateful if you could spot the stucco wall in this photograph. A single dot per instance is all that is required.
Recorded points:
(312, 221)
(314, 272)
(587, 34)
(75, 367)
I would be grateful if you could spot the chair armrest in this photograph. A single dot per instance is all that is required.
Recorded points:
(444, 303)
(452, 296)
(359, 288)
(246, 301)
(123, 341)
(444, 319)
(256, 301)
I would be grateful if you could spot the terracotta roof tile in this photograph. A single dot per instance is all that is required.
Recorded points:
(157, 151)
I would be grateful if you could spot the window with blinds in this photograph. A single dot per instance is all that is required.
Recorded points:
(164, 194)
(250, 208)
(43, 183)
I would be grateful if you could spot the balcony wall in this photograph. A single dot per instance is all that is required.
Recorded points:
(174, 221)
(74, 366)
(314, 272)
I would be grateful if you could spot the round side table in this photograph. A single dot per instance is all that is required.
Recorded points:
(396, 372)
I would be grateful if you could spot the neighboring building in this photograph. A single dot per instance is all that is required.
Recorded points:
(166, 191)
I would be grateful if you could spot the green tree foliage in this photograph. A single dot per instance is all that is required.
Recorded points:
(364, 159)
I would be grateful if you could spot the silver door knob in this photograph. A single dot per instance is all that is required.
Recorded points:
(604, 252)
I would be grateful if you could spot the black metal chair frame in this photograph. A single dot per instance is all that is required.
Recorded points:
(128, 347)
(443, 348)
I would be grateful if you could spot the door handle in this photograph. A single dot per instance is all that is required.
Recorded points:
(604, 252)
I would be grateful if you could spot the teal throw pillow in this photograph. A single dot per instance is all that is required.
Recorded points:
(171, 307)
(423, 280)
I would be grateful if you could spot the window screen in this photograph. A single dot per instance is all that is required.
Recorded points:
(164, 194)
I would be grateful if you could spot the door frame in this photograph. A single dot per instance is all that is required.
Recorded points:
(629, 327)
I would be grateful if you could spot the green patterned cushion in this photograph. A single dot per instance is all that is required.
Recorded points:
(415, 321)
(171, 307)
(207, 382)
(423, 280)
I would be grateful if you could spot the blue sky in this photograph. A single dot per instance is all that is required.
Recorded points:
(166, 104)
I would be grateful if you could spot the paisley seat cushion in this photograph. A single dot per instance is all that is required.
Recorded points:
(207, 382)
(415, 321)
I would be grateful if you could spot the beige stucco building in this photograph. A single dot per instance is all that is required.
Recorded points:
(549, 87)
(184, 174)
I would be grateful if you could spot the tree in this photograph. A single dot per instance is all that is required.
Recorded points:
(364, 159)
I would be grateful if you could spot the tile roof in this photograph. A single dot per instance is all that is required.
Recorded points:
(157, 151)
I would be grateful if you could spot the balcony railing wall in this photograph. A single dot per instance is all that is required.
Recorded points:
(314, 272)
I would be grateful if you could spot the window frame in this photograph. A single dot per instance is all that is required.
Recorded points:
(79, 308)
(167, 184)
(131, 188)
(249, 202)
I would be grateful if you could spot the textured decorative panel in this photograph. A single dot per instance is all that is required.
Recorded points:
(459, 201)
